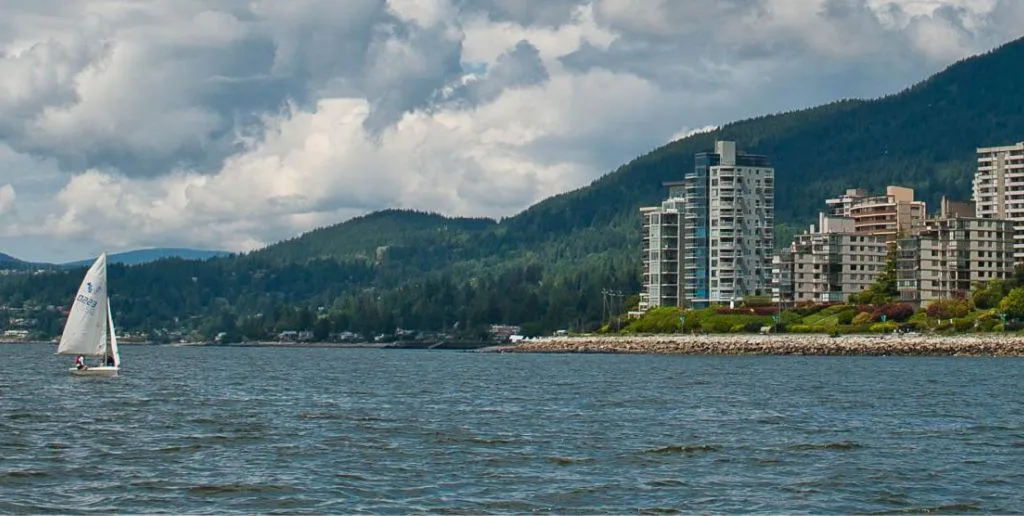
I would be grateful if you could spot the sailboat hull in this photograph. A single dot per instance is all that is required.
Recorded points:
(94, 371)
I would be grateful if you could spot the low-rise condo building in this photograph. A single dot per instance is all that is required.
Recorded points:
(840, 206)
(954, 252)
(827, 264)
(893, 215)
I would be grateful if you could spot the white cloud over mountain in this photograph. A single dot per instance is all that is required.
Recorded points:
(234, 123)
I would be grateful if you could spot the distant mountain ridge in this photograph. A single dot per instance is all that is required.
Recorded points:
(140, 256)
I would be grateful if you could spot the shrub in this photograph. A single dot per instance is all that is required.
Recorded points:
(757, 310)
(809, 328)
(884, 327)
(963, 324)
(948, 309)
(716, 326)
(861, 318)
(808, 308)
(845, 317)
(756, 301)
(834, 309)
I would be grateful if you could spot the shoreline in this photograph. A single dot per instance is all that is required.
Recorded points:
(989, 345)
(277, 344)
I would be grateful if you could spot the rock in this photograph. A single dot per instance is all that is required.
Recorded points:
(781, 344)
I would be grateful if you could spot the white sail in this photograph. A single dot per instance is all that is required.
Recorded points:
(112, 351)
(85, 332)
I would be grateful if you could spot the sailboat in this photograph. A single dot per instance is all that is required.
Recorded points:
(89, 331)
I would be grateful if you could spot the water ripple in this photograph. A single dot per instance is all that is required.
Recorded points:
(316, 431)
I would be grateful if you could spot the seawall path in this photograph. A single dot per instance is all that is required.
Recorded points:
(992, 344)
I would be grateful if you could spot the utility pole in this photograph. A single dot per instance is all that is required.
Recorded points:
(612, 301)
(604, 306)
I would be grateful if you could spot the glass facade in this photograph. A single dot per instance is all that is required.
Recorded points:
(697, 233)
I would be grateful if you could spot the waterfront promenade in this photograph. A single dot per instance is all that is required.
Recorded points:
(987, 344)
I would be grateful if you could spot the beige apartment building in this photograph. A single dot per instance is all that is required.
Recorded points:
(828, 263)
(840, 206)
(999, 189)
(954, 252)
(888, 216)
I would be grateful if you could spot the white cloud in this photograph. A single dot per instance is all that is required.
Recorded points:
(7, 196)
(687, 132)
(232, 124)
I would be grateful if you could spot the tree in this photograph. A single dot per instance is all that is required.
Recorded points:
(322, 329)
(884, 289)
(988, 294)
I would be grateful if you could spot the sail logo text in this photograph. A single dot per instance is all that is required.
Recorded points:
(88, 301)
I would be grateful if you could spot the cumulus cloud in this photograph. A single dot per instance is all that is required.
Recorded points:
(7, 196)
(231, 124)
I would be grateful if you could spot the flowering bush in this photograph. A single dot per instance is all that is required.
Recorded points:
(893, 312)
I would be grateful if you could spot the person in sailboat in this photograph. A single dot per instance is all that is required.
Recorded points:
(110, 361)
(79, 362)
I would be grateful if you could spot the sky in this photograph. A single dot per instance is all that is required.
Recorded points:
(233, 124)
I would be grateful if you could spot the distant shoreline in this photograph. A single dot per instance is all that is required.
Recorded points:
(404, 345)
(1000, 345)
(281, 344)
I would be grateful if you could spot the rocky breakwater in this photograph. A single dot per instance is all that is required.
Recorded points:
(780, 344)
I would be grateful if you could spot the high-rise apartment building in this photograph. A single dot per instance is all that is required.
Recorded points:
(954, 252)
(660, 241)
(723, 213)
(730, 199)
(999, 189)
(827, 263)
(890, 216)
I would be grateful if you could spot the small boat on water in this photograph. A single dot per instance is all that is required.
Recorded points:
(89, 330)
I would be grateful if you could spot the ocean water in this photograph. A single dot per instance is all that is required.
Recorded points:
(328, 431)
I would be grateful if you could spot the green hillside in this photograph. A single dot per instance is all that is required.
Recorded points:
(151, 255)
(367, 236)
(545, 267)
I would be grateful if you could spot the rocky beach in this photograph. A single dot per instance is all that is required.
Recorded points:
(990, 344)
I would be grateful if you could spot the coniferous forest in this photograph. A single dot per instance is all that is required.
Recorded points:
(546, 268)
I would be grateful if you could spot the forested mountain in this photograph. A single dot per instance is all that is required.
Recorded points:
(546, 267)
(151, 255)
(6, 259)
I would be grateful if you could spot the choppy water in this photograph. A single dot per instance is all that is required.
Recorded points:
(214, 430)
